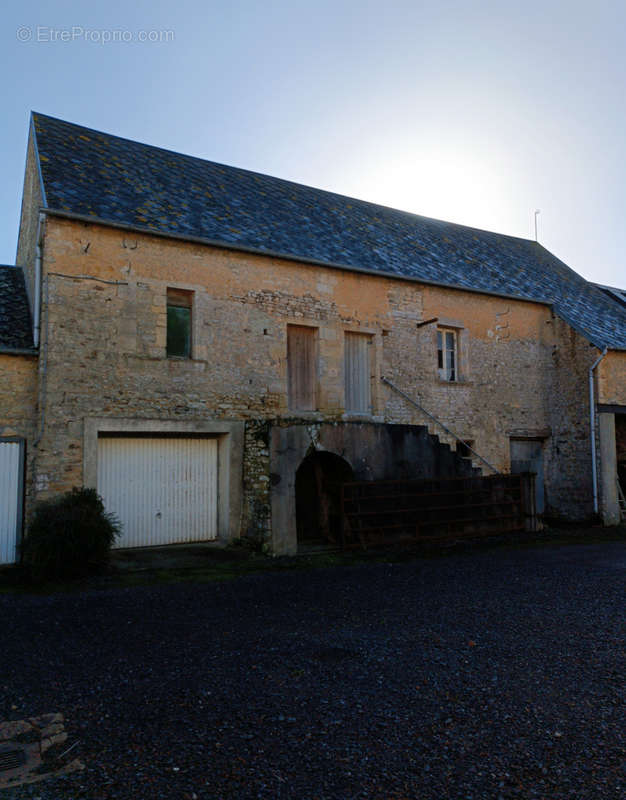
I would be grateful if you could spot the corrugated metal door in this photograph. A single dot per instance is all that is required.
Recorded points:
(358, 372)
(11, 461)
(164, 490)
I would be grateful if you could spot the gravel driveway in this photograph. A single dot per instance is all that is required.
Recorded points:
(490, 675)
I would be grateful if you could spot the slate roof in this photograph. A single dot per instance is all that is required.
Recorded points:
(15, 324)
(113, 179)
(619, 295)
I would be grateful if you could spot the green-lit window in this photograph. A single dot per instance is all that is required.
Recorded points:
(179, 306)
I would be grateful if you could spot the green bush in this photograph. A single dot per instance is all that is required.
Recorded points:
(69, 536)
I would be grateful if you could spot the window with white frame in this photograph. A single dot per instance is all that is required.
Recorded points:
(448, 354)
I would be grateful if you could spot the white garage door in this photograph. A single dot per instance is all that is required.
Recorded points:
(11, 490)
(164, 490)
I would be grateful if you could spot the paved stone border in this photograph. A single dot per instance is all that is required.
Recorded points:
(36, 745)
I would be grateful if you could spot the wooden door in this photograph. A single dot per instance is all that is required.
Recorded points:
(527, 456)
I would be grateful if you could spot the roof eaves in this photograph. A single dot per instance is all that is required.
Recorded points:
(55, 212)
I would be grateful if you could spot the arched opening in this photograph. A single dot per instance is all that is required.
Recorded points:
(318, 497)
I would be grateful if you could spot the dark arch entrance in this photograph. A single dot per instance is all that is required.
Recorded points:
(318, 497)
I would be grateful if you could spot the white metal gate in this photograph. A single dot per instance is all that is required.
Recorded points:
(164, 490)
(11, 498)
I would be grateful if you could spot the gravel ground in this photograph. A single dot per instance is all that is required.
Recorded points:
(498, 674)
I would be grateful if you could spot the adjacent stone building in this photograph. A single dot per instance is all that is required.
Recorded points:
(205, 344)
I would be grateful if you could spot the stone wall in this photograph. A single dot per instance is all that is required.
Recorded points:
(18, 408)
(371, 451)
(505, 362)
(18, 377)
(256, 521)
(612, 379)
(523, 372)
(32, 200)
(568, 451)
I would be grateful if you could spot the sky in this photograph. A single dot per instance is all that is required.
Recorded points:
(470, 111)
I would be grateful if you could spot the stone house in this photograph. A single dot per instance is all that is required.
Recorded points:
(205, 344)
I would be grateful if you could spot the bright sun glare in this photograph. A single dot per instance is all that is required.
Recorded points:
(452, 188)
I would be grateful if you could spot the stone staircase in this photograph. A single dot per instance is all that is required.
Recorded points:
(469, 465)
(446, 440)
(437, 429)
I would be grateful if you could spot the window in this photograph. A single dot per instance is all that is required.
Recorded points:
(447, 354)
(179, 303)
(358, 373)
(301, 367)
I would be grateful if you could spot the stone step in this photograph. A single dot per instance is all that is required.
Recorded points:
(451, 442)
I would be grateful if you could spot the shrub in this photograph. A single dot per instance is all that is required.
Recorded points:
(69, 536)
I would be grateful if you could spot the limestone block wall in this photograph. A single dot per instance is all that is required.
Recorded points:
(32, 200)
(18, 409)
(569, 473)
(505, 350)
(612, 378)
(18, 376)
(104, 339)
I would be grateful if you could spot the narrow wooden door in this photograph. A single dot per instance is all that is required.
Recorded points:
(527, 456)
(301, 368)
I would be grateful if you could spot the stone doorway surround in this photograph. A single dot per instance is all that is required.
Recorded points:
(229, 434)
(318, 497)
(611, 422)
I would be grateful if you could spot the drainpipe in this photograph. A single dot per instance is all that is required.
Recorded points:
(592, 423)
(37, 298)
